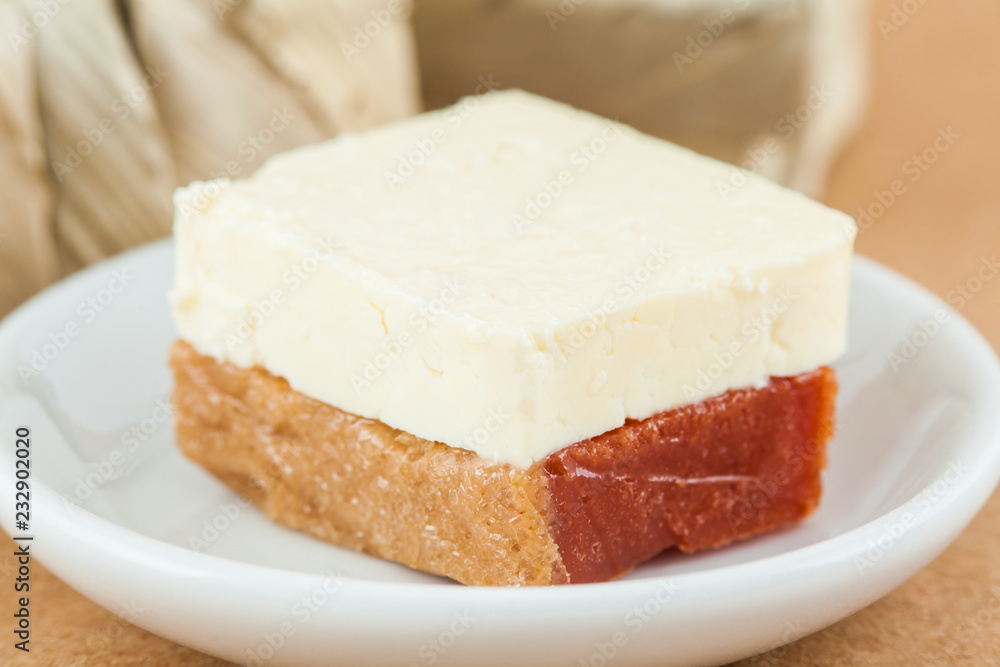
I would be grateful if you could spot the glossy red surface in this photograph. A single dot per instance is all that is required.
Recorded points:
(695, 477)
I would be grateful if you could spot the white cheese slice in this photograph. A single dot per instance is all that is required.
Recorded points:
(509, 275)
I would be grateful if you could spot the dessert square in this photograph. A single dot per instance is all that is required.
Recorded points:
(509, 313)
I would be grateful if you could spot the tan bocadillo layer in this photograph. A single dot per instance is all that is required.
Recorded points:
(694, 477)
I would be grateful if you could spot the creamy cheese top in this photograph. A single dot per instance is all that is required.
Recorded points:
(509, 275)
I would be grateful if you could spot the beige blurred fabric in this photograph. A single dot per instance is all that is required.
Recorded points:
(27, 253)
(618, 59)
(345, 57)
(106, 106)
(717, 76)
(107, 150)
(216, 95)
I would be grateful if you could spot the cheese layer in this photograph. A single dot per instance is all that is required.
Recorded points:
(509, 275)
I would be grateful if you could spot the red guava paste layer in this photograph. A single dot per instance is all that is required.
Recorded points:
(695, 477)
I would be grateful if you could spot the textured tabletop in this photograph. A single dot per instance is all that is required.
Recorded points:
(938, 73)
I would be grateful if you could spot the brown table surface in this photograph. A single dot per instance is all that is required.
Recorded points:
(941, 69)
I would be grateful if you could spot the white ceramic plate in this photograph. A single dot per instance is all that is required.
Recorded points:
(115, 508)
